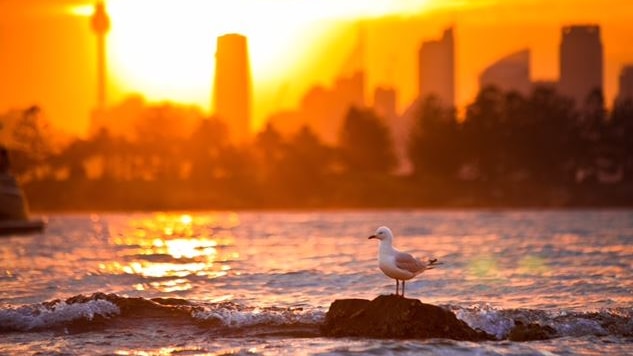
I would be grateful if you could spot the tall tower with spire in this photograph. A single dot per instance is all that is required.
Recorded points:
(101, 25)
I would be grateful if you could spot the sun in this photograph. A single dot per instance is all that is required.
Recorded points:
(165, 49)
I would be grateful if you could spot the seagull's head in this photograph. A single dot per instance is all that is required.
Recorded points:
(382, 233)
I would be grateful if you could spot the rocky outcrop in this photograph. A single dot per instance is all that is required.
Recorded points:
(530, 332)
(390, 316)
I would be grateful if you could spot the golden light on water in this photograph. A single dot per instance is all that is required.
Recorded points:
(172, 247)
(150, 269)
(186, 219)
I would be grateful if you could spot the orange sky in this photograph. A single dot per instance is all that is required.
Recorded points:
(166, 53)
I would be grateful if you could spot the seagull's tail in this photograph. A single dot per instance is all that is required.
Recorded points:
(432, 262)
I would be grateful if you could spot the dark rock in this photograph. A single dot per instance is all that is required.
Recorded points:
(530, 332)
(139, 307)
(171, 301)
(395, 317)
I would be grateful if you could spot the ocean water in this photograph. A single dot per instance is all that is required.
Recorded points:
(260, 283)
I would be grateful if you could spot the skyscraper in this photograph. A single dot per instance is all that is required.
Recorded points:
(385, 104)
(510, 73)
(101, 25)
(625, 87)
(232, 87)
(581, 62)
(437, 69)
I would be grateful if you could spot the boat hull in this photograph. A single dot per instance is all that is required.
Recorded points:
(20, 227)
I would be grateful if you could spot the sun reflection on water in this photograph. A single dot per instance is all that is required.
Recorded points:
(174, 248)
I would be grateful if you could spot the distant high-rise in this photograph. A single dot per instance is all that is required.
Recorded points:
(511, 73)
(437, 69)
(324, 109)
(232, 87)
(581, 62)
(101, 25)
(625, 88)
(385, 103)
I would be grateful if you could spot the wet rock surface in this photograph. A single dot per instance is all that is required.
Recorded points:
(530, 332)
(390, 316)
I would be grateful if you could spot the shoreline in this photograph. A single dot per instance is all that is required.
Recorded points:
(371, 194)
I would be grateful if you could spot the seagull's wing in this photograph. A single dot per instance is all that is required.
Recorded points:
(409, 263)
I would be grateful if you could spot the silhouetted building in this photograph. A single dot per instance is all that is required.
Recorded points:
(581, 62)
(324, 109)
(385, 103)
(625, 87)
(437, 68)
(101, 25)
(511, 73)
(351, 89)
(232, 87)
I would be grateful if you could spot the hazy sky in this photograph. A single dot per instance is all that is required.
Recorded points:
(164, 49)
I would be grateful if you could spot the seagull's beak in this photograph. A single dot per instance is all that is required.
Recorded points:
(372, 237)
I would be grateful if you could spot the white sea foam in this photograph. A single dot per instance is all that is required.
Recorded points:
(579, 327)
(234, 316)
(39, 316)
(499, 322)
(486, 318)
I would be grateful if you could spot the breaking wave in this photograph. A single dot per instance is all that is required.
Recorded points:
(99, 310)
(106, 310)
(500, 322)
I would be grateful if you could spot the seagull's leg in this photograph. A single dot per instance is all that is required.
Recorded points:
(402, 289)
(397, 286)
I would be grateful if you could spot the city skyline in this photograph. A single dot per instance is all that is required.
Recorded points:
(388, 62)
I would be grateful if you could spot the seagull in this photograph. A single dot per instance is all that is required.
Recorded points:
(398, 265)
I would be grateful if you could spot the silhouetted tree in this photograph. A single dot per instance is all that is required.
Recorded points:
(236, 164)
(621, 134)
(161, 133)
(306, 163)
(550, 136)
(594, 114)
(366, 144)
(269, 151)
(484, 136)
(434, 147)
(74, 156)
(205, 147)
(536, 137)
(31, 144)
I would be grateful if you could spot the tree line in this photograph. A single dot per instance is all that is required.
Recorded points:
(509, 149)
(539, 138)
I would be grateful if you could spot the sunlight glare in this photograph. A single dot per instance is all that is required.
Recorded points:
(81, 10)
(190, 248)
(166, 49)
(186, 219)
